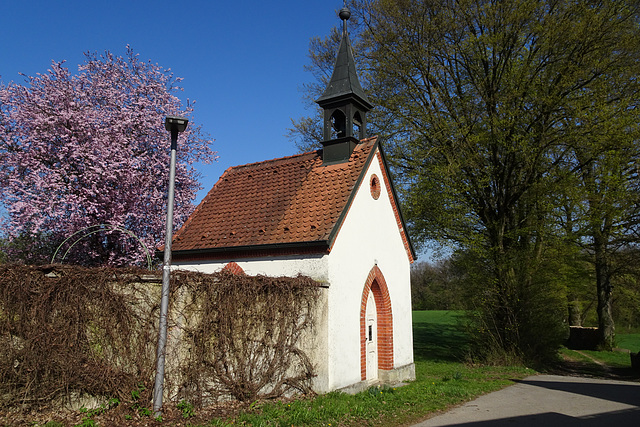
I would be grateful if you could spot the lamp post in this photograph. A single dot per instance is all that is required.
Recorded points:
(175, 125)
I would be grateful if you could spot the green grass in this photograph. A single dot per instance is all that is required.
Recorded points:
(604, 363)
(439, 335)
(606, 359)
(629, 341)
(612, 359)
(442, 380)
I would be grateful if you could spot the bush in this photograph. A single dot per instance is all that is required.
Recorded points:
(519, 318)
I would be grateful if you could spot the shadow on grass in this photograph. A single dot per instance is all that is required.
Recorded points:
(566, 367)
(439, 335)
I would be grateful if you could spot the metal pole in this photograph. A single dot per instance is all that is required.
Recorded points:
(166, 271)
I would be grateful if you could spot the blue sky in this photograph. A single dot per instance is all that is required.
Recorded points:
(242, 60)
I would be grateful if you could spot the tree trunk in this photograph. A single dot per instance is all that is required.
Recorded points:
(606, 327)
(600, 229)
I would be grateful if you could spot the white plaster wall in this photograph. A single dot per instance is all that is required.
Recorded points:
(314, 266)
(369, 237)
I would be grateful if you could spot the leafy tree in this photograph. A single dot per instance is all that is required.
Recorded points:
(439, 285)
(602, 213)
(609, 184)
(27, 249)
(482, 104)
(88, 149)
(3, 255)
(626, 304)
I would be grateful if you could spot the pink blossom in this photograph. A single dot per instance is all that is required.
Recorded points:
(91, 148)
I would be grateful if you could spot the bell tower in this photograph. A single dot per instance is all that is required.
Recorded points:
(344, 103)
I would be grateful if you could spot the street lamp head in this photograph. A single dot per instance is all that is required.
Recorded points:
(176, 123)
(344, 13)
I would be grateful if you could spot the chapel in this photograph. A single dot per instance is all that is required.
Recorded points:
(330, 214)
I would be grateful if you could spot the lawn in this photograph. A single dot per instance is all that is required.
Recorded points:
(607, 363)
(629, 341)
(439, 335)
(442, 380)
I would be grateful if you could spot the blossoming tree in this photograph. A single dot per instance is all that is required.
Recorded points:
(80, 150)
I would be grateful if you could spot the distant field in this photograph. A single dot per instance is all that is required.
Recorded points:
(439, 335)
(629, 341)
(442, 317)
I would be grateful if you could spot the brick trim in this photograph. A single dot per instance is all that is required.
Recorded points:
(377, 284)
(234, 268)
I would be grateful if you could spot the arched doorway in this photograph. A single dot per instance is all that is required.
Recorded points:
(379, 349)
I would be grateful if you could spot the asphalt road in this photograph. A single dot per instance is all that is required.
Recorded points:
(549, 401)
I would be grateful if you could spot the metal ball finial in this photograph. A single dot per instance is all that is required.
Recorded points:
(344, 14)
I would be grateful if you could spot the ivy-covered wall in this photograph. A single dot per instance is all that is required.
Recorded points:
(69, 331)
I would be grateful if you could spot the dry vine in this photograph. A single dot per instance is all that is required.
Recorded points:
(246, 340)
(70, 331)
(75, 331)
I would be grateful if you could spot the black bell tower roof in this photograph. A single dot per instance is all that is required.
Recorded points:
(345, 104)
(344, 81)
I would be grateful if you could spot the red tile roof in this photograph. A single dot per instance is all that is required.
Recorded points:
(286, 201)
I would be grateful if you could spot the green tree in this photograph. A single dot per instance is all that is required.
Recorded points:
(440, 285)
(481, 104)
(604, 200)
(28, 249)
(3, 255)
(611, 213)
(626, 299)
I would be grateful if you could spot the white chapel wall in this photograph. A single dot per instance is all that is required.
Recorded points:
(314, 266)
(368, 237)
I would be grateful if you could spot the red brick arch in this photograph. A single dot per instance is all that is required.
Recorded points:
(234, 268)
(375, 283)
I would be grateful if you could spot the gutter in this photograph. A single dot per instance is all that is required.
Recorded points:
(320, 244)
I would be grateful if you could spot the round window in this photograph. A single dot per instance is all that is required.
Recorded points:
(375, 186)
